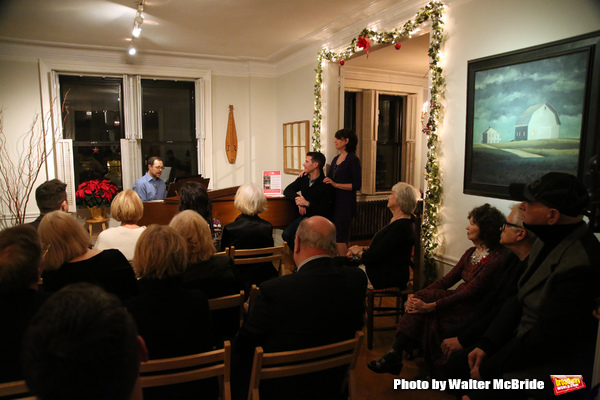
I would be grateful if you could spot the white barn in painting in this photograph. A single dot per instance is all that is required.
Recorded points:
(538, 122)
(490, 135)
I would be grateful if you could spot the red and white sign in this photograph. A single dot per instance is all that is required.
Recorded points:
(567, 383)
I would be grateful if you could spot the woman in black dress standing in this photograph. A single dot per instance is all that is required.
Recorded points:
(346, 177)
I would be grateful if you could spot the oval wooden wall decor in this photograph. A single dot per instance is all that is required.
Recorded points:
(231, 139)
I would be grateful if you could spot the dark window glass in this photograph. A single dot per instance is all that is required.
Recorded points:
(168, 126)
(93, 118)
(350, 110)
(389, 142)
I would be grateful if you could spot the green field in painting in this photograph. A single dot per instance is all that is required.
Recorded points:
(493, 164)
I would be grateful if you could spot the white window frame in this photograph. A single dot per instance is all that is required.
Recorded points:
(131, 154)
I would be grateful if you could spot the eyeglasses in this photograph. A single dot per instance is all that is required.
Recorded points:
(506, 223)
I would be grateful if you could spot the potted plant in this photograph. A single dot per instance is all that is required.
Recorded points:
(96, 194)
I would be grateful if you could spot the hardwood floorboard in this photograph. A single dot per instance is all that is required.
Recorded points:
(372, 386)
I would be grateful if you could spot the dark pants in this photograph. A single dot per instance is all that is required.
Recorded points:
(289, 233)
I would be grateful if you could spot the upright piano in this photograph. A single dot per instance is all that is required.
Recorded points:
(280, 212)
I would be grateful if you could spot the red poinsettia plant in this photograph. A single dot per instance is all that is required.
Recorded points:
(96, 192)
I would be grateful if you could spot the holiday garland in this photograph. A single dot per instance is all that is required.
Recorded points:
(433, 12)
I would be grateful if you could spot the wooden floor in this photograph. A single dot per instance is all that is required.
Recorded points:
(372, 386)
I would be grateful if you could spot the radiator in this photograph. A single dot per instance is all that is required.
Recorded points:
(370, 217)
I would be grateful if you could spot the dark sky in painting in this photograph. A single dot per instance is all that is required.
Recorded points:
(502, 94)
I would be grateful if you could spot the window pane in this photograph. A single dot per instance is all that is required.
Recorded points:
(389, 142)
(350, 110)
(97, 162)
(168, 126)
(93, 119)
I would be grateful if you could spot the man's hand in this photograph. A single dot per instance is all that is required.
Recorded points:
(301, 201)
(476, 357)
(450, 346)
(302, 210)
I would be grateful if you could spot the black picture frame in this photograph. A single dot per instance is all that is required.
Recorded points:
(552, 91)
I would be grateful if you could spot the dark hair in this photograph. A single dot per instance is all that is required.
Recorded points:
(193, 196)
(489, 220)
(20, 258)
(50, 195)
(351, 136)
(318, 157)
(152, 159)
(82, 344)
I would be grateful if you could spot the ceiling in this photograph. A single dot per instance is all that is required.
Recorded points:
(254, 30)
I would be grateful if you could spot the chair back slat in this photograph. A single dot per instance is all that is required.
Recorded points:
(231, 301)
(216, 363)
(276, 254)
(304, 361)
(14, 389)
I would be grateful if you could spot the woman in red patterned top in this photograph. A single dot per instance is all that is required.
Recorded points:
(437, 307)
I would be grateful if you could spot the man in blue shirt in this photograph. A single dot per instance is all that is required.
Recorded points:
(150, 187)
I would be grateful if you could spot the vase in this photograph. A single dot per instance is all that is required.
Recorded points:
(98, 213)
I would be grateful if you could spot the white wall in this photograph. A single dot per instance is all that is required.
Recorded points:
(295, 102)
(254, 105)
(20, 102)
(481, 28)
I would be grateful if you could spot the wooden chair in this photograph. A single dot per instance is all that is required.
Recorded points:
(216, 363)
(265, 254)
(16, 390)
(231, 301)
(298, 362)
(399, 295)
(223, 253)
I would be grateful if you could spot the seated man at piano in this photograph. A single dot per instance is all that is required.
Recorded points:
(314, 198)
(150, 187)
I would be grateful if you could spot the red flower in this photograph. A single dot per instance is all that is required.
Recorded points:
(363, 43)
(96, 193)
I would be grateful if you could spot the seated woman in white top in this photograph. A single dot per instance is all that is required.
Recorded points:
(127, 208)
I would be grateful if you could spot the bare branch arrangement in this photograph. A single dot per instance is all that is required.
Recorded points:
(19, 171)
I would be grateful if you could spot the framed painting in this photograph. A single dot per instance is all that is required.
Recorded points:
(530, 112)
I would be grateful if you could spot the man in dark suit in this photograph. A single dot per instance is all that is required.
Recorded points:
(547, 328)
(315, 198)
(50, 196)
(319, 304)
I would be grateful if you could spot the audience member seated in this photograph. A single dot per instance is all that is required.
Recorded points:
(172, 320)
(386, 261)
(315, 198)
(69, 259)
(20, 258)
(460, 339)
(437, 307)
(127, 208)
(318, 305)
(249, 231)
(83, 344)
(193, 196)
(50, 196)
(554, 298)
(215, 275)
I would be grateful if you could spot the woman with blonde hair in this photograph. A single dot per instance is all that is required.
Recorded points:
(127, 208)
(249, 231)
(387, 259)
(213, 274)
(69, 258)
(172, 320)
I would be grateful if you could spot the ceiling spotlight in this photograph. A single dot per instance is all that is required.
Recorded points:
(132, 50)
(136, 30)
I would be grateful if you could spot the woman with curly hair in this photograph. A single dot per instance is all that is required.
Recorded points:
(437, 307)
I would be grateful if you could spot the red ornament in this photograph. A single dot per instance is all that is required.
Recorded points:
(398, 45)
(363, 43)
(342, 62)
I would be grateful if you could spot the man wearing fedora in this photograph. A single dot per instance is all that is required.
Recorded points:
(548, 327)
